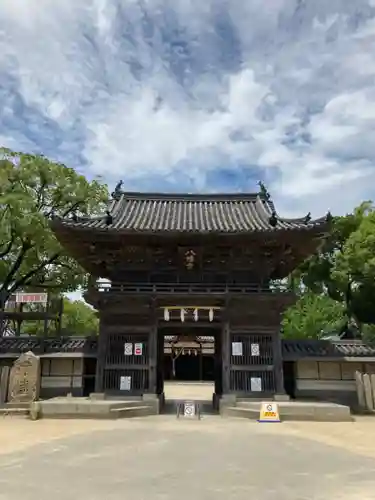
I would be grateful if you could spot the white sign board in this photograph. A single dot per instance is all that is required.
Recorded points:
(189, 409)
(128, 349)
(237, 349)
(255, 351)
(125, 383)
(256, 384)
(138, 349)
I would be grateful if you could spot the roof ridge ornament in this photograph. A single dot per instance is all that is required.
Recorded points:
(108, 218)
(273, 219)
(263, 191)
(118, 190)
(329, 217)
(307, 219)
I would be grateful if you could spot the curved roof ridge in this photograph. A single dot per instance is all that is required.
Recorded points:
(169, 196)
(287, 220)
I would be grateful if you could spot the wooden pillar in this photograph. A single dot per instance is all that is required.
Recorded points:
(101, 354)
(200, 362)
(225, 349)
(153, 358)
(278, 364)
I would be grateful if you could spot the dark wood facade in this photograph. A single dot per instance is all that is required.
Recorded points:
(190, 265)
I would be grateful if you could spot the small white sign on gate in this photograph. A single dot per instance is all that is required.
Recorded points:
(189, 409)
(236, 348)
(138, 349)
(256, 384)
(125, 383)
(255, 351)
(128, 349)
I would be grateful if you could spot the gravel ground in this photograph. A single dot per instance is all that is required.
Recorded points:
(210, 459)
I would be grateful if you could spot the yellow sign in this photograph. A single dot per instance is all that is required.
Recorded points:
(269, 412)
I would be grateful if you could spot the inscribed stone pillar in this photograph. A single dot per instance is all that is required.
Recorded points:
(24, 379)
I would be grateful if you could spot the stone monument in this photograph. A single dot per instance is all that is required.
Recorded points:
(24, 379)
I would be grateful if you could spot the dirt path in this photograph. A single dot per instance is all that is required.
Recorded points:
(17, 433)
(358, 436)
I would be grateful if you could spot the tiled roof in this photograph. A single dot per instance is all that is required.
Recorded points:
(18, 345)
(15, 345)
(190, 213)
(297, 349)
(292, 349)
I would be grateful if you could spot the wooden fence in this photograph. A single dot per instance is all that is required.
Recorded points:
(365, 384)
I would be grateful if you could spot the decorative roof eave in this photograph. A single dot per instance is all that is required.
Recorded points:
(318, 227)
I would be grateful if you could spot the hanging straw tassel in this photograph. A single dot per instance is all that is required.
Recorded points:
(196, 315)
(166, 314)
(211, 314)
(182, 315)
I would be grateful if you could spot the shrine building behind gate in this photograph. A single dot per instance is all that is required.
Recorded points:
(190, 265)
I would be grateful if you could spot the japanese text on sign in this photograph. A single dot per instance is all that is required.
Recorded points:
(125, 383)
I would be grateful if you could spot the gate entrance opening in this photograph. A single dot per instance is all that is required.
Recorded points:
(185, 354)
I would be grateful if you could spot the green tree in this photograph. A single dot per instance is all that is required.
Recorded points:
(78, 319)
(341, 268)
(313, 316)
(33, 190)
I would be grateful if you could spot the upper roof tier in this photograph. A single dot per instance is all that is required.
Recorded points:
(191, 213)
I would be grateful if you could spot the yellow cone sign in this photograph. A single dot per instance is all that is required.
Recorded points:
(269, 412)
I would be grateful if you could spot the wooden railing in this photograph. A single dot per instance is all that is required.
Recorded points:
(186, 288)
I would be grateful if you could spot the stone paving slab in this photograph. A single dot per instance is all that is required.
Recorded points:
(162, 458)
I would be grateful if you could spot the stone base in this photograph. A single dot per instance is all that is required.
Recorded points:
(97, 396)
(292, 411)
(70, 407)
(281, 397)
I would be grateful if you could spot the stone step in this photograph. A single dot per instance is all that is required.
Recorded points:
(14, 412)
(130, 404)
(319, 412)
(254, 405)
(206, 407)
(135, 411)
(235, 411)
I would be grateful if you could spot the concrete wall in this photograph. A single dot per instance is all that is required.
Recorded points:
(329, 380)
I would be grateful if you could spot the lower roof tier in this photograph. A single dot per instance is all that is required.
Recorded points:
(291, 349)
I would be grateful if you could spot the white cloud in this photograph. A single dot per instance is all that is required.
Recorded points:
(179, 90)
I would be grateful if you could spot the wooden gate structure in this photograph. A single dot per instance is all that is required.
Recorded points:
(199, 261)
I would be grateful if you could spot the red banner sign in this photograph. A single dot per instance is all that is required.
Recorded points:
(31, 298)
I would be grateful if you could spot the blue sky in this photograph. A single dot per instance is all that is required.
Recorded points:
(197, 95)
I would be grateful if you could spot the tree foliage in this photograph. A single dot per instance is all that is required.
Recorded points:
(32, 191)
(313, 316)
(342, 272)
(78, 319)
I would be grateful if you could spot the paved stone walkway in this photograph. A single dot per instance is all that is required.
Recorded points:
(164, 458)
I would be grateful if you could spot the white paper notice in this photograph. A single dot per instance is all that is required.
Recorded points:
(256, 384)
(125, 383)
(236, 348)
